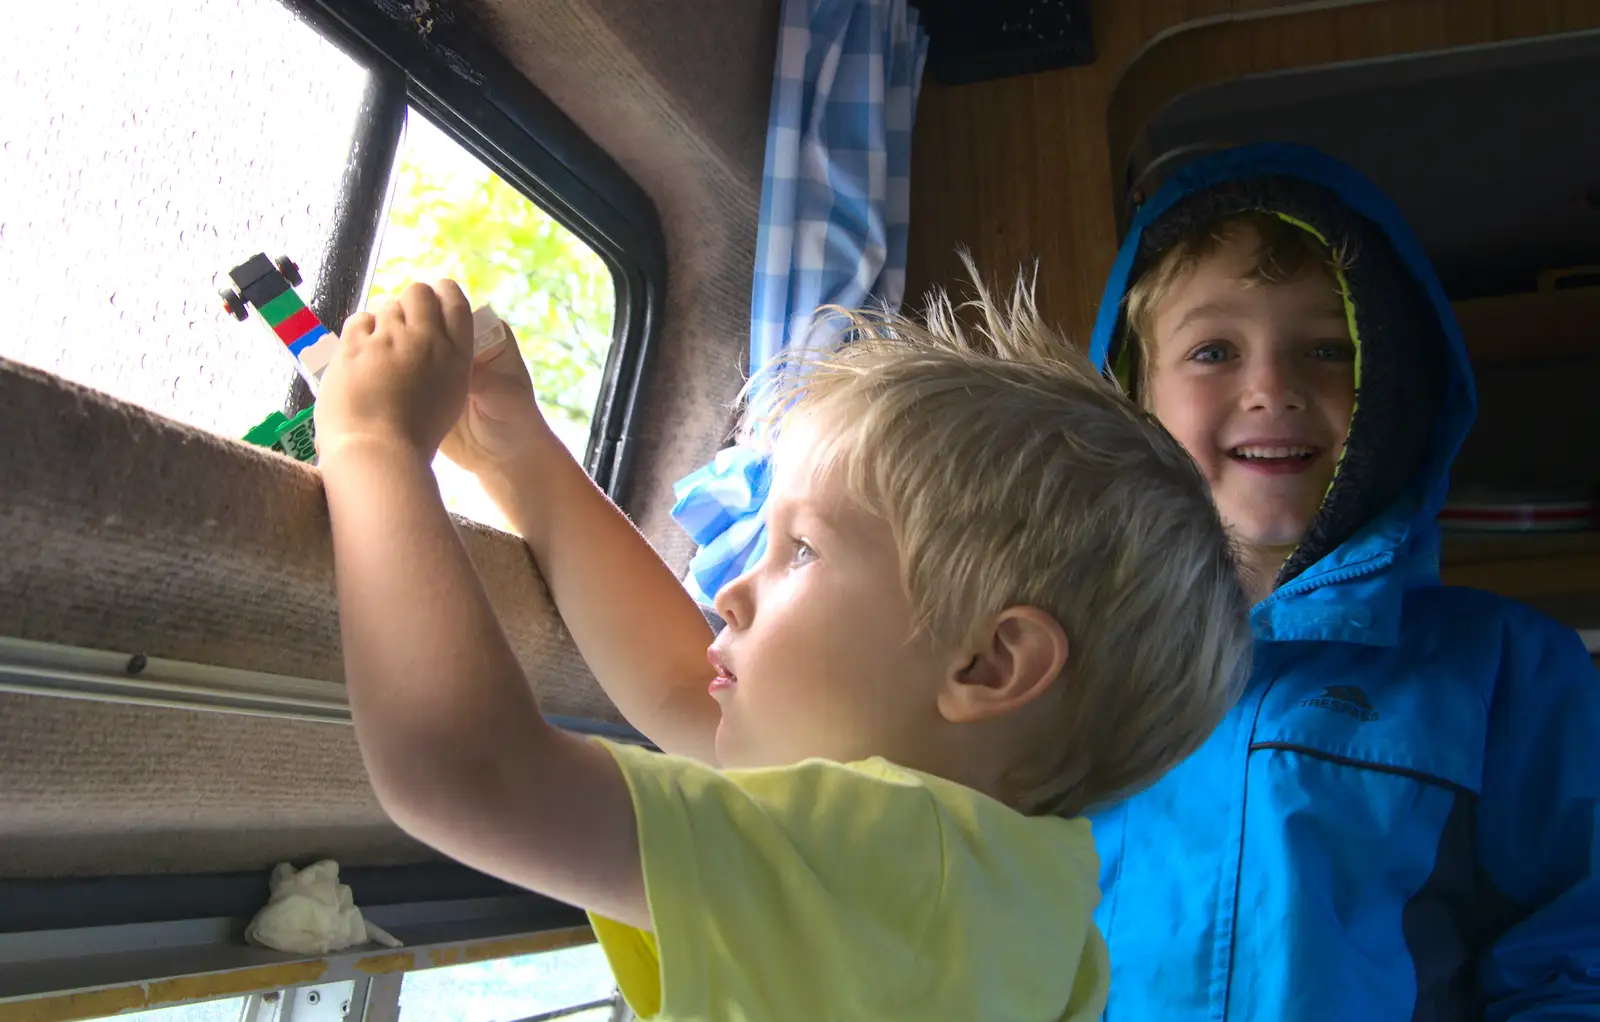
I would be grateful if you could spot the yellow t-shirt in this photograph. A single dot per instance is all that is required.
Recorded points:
(830, 891)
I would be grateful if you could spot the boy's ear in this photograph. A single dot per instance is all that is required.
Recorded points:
(1014, 661)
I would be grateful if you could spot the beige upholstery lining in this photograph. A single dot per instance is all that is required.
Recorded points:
(121, 530)
(127, 531)
(101, 789)
(681, 103)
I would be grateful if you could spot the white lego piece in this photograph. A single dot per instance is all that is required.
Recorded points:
(317, 356)
(489, 331)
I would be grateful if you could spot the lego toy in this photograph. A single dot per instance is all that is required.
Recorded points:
(269, 287)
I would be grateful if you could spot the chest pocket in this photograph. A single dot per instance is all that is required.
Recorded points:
(1415, 710)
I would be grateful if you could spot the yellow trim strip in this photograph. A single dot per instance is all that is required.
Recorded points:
(90, 1004)
(93, 1004)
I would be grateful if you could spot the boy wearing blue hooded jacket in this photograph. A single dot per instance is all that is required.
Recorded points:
(1401, 817)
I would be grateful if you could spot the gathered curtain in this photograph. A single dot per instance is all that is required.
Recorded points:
(835, 210)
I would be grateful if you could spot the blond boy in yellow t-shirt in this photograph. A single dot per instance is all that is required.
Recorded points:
(994, 593)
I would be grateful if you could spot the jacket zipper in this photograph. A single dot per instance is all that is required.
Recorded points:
(1370, 566)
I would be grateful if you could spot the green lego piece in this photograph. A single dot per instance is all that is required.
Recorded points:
(298, 437)
(265, 433)
(281, 308)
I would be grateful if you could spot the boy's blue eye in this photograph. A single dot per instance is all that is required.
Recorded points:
(1333, 351)
(803, 552)
(1215, 351)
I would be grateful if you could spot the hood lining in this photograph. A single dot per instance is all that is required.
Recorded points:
(1347, 300)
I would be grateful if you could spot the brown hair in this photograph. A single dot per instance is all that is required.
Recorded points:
(1285, 251)
(1012, 473)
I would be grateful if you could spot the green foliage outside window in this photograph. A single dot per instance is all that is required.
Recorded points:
(453, 217)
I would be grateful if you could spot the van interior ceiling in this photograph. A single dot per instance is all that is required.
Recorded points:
(172, 719)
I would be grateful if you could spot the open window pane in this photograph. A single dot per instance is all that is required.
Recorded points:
(452, 216)
(147, 148)
(509, 989)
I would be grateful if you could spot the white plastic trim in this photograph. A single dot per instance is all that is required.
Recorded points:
(41, 668)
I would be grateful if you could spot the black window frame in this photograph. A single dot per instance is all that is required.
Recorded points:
(426, 58)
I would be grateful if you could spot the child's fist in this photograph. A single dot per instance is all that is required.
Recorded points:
(400, 374)
(501, 424)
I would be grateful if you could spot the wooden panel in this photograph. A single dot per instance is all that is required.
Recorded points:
(1023, 168)
(1019, 168)
(1536, 429)
(1537, 325)
(1218, 53)
(1528, 567)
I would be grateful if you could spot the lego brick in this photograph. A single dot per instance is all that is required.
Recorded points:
(264, 290)
(489, 330)
(298, 437)
(307, 339)
(281, 307)
(252, 270)
(296, 326)
(259, 282)
(265, 433)
(318, 351)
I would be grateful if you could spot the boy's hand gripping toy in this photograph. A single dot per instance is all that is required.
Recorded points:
(268, 285)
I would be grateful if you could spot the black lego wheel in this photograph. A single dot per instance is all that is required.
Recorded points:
(234, 304)
(290, 271)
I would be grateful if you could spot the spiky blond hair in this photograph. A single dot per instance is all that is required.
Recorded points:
(1012, 473)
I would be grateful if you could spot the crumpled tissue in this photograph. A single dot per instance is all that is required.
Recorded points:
(311, 913)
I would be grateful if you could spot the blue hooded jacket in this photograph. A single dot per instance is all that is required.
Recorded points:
(1401, 817)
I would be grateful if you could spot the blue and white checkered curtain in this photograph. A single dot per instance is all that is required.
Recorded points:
(835, 209)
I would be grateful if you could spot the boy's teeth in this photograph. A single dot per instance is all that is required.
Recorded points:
(1262, 452)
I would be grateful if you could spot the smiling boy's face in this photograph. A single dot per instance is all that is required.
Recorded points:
(1257, 381)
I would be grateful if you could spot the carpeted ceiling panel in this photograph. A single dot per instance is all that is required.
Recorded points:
(95, 789)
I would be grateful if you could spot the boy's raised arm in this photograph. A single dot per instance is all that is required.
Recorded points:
(453, 740)
(606, 580)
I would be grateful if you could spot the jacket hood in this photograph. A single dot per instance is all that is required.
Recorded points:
(1375, 534)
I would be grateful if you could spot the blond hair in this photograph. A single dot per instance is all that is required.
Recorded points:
(1012, 473)
(1285, 251)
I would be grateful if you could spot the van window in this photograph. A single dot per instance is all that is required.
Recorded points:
(454, 217)
(151, 147)
(570, 984)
